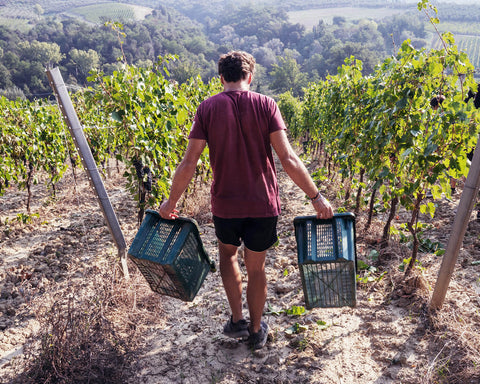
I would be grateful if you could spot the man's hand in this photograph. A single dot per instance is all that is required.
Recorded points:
(323, 207)
(167, 210)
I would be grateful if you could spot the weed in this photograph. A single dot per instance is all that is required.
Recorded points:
(369, 274)
(293, 311)
(322, 325)
(215, 378)
(26, 218)
(405, 262)
(373, 255)
(303, 344)
(320, 174)
(426, 245)
(296, 329)
(443, 369)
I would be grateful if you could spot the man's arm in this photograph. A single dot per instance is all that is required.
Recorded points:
(297, 171)
(183, 175)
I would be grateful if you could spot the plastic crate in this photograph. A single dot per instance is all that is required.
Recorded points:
(327, 260)
(171, 256)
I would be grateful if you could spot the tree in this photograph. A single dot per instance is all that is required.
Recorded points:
(44, 53)
(286, 76)
(393, 30)
(291, 33)
(339, 20)
(37, 8)
(265, 56)
(5, 77)
(263, 22)
(183, 70)
(196, 45)
(337, 54)
(84, 62)
(260, 82)
(314, 65)
(275, 45)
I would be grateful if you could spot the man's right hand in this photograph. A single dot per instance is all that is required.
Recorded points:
(323, 208)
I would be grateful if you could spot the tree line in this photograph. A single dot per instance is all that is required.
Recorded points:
(289, 56)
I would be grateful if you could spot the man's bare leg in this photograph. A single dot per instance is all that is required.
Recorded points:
(256, 287)
(231, 278)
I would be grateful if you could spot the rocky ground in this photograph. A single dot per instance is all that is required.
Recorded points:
(68, 316)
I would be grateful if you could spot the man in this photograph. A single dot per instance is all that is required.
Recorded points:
(240, 128)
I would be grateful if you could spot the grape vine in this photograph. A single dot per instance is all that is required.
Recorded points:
(383, 127)
(136, 115)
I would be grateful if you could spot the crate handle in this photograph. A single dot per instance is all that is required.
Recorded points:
(203, 252)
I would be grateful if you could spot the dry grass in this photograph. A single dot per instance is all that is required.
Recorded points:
(457, 335)
(88, 331)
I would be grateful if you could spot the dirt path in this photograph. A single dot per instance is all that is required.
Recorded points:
(389, 337)
(373, 343)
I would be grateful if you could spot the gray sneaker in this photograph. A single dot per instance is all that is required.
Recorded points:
(257, 340)
(238, 330)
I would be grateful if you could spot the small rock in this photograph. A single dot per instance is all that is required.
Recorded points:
(273, 360)
(19, 301)
(283, 288)
(399, 358)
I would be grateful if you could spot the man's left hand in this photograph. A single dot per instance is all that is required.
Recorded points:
(167, 210)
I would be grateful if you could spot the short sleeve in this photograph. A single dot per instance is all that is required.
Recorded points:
(198, 130)
(276, 122)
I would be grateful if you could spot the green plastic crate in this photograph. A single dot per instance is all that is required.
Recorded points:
(170, 255)
(327, 260)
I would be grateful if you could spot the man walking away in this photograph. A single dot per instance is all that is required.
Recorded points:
(240, 128)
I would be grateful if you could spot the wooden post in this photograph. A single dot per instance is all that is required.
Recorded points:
(464, 210)
(76, 130)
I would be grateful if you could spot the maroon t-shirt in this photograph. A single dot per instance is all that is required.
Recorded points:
(237, 127)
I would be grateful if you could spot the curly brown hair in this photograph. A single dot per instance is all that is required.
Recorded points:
(236, 65)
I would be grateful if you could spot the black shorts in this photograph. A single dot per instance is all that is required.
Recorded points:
(258, 234)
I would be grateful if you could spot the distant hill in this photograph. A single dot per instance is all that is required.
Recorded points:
(20, 14)
(310, 17)
(98, 13)
(23, 14)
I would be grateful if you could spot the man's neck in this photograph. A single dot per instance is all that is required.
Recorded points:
(241, 85)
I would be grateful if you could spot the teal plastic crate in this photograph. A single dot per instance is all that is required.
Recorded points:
(170, 255)
(326, 250)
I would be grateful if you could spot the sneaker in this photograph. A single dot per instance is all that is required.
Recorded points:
(258, 340)
(236, 330)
